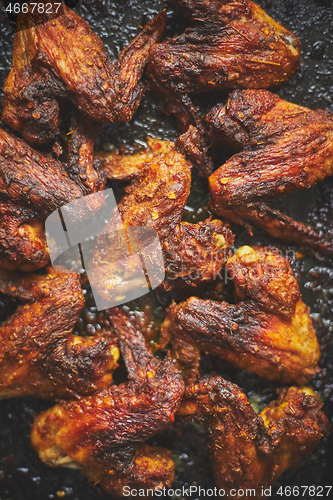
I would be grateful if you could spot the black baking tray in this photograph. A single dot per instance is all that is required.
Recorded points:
(22, 475)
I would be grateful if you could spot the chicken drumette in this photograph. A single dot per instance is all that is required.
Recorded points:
(283, 147)
(32, 186)
(193, 253)
(233, 44)
(39, 354)
(250, 451)
(270, 333)
(104, 434)
(58, 57)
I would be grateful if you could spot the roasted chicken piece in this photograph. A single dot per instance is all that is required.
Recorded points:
(284, 147)
(39, 354)
(193, 253)
(274, 340)
(263, 275)
(32, 186)
(250, 451)
(233, 44)
(104, 434)
(58, 57)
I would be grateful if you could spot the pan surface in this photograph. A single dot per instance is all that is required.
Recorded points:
(22, 475)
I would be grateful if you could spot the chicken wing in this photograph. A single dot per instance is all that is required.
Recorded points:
(39, 354)
(234, 44)
(275, 340)
(32, 186)
(103, 433)
(193, 253)
(263, 275)
(58, 57)
(249, 451)
(285, 147)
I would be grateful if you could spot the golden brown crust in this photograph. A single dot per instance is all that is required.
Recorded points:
(278, 348)
(249, 450)
(103, 433)
(156, 197)
(39, 354)
(285, 147)
(61, 57)
(234, 44)
(263, 275)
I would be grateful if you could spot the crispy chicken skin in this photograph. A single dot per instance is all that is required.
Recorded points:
(251, 270)
(32, 186)
(275, 342)
(233, 44)
(39, 354)
(59, 57)
(104, 433)
(193, 253)
(250, 451)
(284, 147)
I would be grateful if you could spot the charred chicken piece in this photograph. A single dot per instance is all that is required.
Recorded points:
(104, 434)
(263, 275)
(279, 344)
(233, 44)
(32, 186)
(39, 354)
(250, 451)
(58, 57)
(284, 147)
(193, 253)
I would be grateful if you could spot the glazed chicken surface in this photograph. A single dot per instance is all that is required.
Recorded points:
(58, 58)
(232, 44)
(250, 451)
(32, 186)
(156, 197)
(104, 434)
(269, 333)
(39, 354)
(283, 148)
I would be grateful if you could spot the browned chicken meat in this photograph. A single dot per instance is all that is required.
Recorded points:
(193, 253)
(263, 275)
(58, 57)
(233, 44)
(32, 186)
(104, 434)
(274, 338)
(39, 354)
(249, 451)
(284, 147)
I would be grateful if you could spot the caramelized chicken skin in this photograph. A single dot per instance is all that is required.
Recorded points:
(250, 451)
(39, 354)
(262, 274)
(59, 57)
(193, 253)
(104, 433)
(233, 44)
(280, 344)
(284, 147)
(32, 186)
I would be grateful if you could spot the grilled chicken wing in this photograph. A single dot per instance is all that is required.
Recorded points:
(193, 253)
(284, 147)
(275, 340)
(58, 57)
(263, 275)
(234, 44)
(250, 451)
(39, 354)
(31, 187)
(103, 433)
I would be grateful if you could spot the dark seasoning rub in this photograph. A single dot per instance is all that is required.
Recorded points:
(22, 475)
